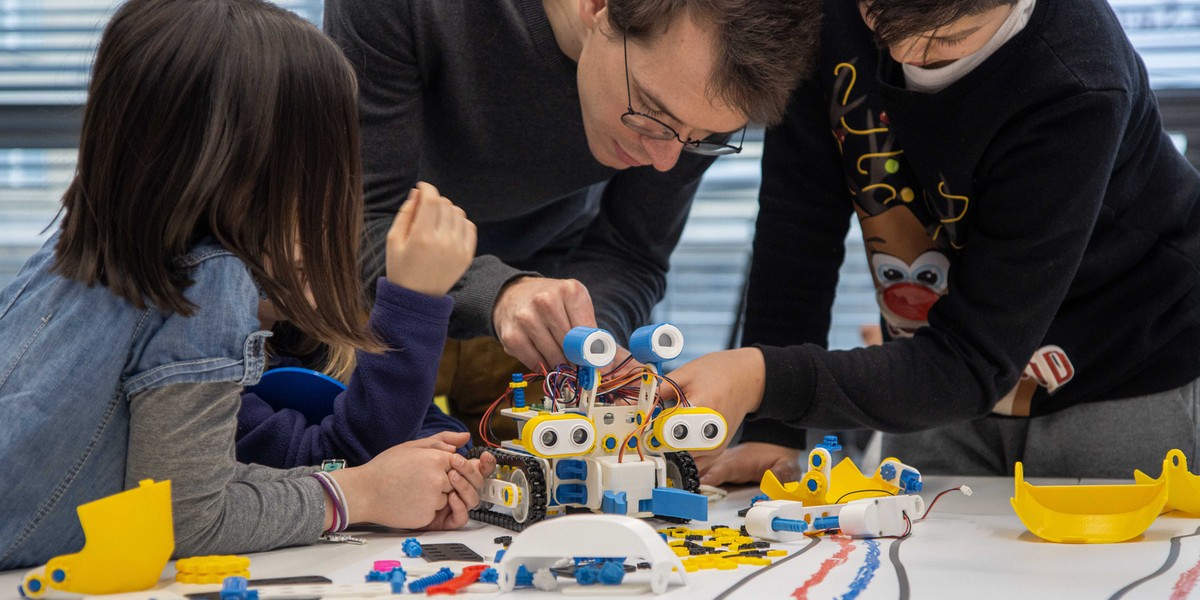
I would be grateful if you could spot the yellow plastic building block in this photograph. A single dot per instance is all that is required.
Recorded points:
(211, 569)
(1087, 514)
(129, 538)
(1183, 488)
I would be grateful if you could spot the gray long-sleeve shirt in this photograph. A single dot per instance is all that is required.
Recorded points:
(220, 506)
(478, 99)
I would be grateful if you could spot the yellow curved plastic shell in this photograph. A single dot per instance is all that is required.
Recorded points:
(1183, 488)
(1087, 514)
(129, 539)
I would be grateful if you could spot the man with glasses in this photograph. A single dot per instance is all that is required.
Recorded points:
(513, 108)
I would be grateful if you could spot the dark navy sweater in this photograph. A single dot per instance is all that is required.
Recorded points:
(388, 400)
(1033, 235)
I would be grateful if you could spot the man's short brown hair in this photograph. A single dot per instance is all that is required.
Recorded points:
(763, 47)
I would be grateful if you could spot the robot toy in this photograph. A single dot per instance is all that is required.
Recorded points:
(613, 446)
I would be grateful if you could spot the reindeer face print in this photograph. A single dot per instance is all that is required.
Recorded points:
(909, 270)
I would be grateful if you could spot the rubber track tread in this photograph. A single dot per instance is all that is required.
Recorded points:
(690, 475)
(536, 492)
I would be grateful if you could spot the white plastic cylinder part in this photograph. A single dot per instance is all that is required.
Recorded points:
(590, 346)
(860, 520)
(760, 516)
(656, 343)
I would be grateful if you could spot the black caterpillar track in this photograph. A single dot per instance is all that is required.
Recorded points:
(689, 475)
(536, 493)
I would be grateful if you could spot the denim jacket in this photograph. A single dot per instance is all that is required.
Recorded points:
(71, 357)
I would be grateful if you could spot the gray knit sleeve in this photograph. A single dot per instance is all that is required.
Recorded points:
(185, 433)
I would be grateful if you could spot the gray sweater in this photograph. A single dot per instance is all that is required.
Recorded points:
(220, 506)
(478, 99)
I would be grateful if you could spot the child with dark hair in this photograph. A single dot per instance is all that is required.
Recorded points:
(218, 188)
(1033, 237)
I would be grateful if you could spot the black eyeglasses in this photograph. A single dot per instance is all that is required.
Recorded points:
(650, 127)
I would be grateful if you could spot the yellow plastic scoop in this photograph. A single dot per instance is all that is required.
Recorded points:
(1087, 514)
(129, 539)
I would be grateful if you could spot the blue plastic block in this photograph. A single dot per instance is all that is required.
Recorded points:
(759, 498)
(585, 375)
(397, 577)
(612, 573)
(682, 504)
(831, 443)
(489, 575)
(518, 394)
(412, 548)
(646, 505)
(499, 555)
(524, 577)
(793, 525)
(571, 469)
(234, 588)
(571, 493)
(614, 503)
(830, 522)
(910, 482)
(587, 575)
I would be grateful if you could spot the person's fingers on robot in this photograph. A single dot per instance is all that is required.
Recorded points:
(465, 489)
(486, 464)
(468, 470)
(457, 515)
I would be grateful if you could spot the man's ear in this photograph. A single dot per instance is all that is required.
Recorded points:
(591, 12)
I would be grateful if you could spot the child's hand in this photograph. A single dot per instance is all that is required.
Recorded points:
(418, 484)
(431, 243)
(404, 486)
(467, 478)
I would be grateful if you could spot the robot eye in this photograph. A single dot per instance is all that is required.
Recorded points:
(579, 436)
(549, 439)
(680, 431)
(710, 431)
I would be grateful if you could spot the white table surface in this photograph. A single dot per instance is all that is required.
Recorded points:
(969, 547)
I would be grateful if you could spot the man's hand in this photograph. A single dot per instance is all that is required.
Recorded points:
(746, 463)
(730, 382)
(533, 314)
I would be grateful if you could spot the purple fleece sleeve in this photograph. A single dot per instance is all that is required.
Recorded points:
(387, 402)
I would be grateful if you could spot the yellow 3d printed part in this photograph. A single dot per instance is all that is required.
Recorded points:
(211, 569)
(842, 483)
(1087, 514)
(1183, 488)
(129, 538)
